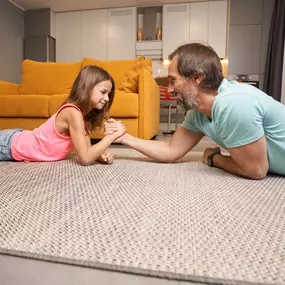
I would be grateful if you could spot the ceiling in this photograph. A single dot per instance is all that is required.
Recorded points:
(75, 5)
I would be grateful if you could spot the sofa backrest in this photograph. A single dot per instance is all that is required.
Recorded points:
(48, 78)
(121, 70)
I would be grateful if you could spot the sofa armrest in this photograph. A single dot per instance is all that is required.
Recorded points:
(149, 105)
(8, 88)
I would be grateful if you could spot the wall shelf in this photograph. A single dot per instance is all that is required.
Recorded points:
(151, 49)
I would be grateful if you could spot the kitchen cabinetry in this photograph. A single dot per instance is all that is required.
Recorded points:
(248, 37)
(39, 41)
(111, 34)
(244, 49)
(217, 29)
(199, 22)
(68, 37)
(94, 34)
(204, 22)
(121, 33)
(101, 34)
(175, 27)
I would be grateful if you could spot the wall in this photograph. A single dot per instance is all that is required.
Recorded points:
(12, 41)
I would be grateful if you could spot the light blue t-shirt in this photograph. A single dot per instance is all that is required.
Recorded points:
(242, 114)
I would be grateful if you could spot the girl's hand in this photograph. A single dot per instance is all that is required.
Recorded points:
(113, 127)
(106, 158)
(110, 127)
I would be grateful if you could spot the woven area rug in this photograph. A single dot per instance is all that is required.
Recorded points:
(181, 221)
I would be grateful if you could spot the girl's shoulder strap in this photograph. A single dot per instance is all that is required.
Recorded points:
(68, 105)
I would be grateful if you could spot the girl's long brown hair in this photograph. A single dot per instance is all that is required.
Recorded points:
(80, 94)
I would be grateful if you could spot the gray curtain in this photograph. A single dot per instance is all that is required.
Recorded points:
(274, 63)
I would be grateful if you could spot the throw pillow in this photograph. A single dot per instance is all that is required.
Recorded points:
(130, 82)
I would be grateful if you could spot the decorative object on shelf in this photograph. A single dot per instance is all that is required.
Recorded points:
(158, 26)
(140, 34)
(140, 26)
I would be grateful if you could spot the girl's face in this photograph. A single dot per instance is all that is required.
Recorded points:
(100, 94)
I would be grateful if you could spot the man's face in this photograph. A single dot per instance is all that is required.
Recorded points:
(185, 88)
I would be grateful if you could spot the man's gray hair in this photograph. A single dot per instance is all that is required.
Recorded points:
(196, 59)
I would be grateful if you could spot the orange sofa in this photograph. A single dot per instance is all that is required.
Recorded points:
(44, 87)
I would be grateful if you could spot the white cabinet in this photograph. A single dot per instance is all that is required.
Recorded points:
(150, 49)
(199, 22)
(175, 27)
(217, 33)
(94, 34)
(101, 34)
(203, 22)
(121, 33)
(68, 37)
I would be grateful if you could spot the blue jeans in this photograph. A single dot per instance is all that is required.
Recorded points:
(6, 137)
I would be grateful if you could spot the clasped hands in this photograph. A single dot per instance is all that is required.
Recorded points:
(114, 128)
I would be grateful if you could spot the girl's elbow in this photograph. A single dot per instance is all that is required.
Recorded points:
(85, 160)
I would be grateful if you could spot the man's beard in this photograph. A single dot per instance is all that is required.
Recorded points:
(186, 103)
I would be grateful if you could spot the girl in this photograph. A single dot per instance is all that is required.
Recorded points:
(90, 99)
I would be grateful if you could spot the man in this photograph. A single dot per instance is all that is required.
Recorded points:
(238, 117)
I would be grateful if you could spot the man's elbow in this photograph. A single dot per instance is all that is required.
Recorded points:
(258, 173)
(170, 159)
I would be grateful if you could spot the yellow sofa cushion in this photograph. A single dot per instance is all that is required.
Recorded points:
(124, 105)
(30, 106)
(130, 81)
(48, 78)
(54, 102)
(20, 122)
(8, 88)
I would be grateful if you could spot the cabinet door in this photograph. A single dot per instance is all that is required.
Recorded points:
(199, 22)
(94, 34)
(218, 12)
(244, 49)
(175, 29)
(68, 37)
(245, 12)
(121, 33)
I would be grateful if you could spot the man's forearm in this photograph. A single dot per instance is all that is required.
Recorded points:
(226, 163)
(157, 150)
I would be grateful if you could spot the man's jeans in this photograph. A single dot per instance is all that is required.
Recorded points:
(6, 137)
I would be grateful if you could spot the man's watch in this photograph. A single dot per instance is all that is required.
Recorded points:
(210, 161)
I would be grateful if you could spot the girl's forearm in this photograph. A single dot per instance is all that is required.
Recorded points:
(95, 151)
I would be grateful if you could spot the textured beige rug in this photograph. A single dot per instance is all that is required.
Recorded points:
(182, 221)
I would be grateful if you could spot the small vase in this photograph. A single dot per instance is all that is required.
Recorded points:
(140, 34)
(158, 33)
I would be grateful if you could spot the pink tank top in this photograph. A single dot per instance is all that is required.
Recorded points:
(44, 143)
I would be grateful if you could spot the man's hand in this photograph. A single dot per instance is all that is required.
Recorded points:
(208, 151)
(113, 127)
(106, 158)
